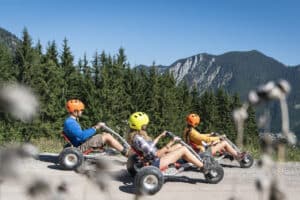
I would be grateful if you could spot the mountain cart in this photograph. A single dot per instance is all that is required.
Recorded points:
(149, 179)
(72, 158)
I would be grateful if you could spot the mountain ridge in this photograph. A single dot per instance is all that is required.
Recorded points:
(238, 72)
(9, 40)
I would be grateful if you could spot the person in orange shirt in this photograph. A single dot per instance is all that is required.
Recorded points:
(198, 140)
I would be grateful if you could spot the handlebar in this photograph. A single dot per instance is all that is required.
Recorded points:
(170, 134)
(106, 128)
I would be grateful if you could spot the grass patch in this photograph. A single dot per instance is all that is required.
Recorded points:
(50, 145)
(292, 154)
(254, 150)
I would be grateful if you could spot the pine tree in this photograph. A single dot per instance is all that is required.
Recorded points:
(208, 112)
(96, 68)
(52, 53)
(195, 99)
(183, 97)
(119, 99)
(25, 58)
(70, 75)
(80, 65)
(251, 129)
(152, 93)
(112, 87)
(6, 65)
(50, 96)
(133, 86)
(121, 58)
(224, 125)
(30, 72)
(66, 57)
(183, 105)
(155, 99)
(39, 48)
(171, 113)
(85, 67)
(103, 84)
(235, 103)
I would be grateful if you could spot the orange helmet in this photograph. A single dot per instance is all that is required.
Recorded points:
(193, 119)
(74, 104)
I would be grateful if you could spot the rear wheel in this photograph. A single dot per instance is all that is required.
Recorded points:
(148, 180)
(70, 158)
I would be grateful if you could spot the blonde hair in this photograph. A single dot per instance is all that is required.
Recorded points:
(132, 133)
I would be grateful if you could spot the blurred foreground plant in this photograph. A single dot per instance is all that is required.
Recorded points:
(267, 181)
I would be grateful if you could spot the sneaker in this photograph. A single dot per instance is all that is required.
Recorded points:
(207, 165)
(125, 152)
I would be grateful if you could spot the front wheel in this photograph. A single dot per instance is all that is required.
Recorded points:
(247, 161)
(148, 180)
(215, 175)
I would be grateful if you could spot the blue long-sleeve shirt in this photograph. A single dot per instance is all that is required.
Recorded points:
(76, 135)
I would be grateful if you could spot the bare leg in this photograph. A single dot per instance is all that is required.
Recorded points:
(111, 141)
(181, 152)
(175, 147)
(226, 146)
(161, 152)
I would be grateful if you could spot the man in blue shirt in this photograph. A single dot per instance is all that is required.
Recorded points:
(86, 139)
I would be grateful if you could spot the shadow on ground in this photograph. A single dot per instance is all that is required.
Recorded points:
(229, 166)
(184, 179)
(51, 158)
(48, 158)
(124, 177)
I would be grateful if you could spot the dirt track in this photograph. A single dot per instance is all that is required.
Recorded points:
(190, 185)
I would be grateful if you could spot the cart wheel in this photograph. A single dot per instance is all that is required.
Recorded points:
(70, 158)
(247, 161)
(148, 180)
(215, 175)
(133, 165)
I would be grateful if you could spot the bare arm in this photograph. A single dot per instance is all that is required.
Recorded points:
(155, 141)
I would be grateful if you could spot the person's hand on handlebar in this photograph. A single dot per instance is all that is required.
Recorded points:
(222, 137)
(99, 125)
(176, 139)
(214, 134)
(163, 134)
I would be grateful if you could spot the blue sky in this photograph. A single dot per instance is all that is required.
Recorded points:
(160, 30)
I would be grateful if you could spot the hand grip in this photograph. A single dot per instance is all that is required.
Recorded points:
(170, 134)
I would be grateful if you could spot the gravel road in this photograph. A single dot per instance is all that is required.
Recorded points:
(237, 182)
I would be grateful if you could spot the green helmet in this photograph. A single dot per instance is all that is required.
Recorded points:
(137, 120)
